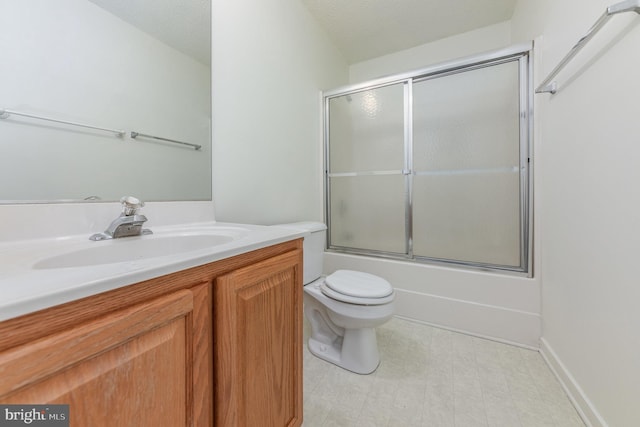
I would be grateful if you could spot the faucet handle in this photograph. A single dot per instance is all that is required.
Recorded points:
(130, 205)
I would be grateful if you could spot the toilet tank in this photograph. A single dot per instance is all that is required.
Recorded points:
(313, 247)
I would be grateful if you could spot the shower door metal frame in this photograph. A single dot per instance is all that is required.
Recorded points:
(521, 53)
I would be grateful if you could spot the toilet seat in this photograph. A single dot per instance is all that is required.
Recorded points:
(355, 287)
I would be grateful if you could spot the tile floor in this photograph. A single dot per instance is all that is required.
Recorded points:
(434, 377)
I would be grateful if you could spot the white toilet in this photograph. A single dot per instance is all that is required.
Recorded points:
(343, 308)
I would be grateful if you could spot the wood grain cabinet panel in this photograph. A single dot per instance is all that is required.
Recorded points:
(129, 368)
(258, 344)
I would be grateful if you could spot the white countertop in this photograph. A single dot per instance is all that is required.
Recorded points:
(25, 288)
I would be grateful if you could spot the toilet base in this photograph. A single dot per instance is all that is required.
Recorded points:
(356, 351)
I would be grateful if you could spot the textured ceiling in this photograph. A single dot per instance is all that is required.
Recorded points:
(184, 25)
(365, 29)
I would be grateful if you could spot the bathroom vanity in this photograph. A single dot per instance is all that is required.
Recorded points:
(218, 343)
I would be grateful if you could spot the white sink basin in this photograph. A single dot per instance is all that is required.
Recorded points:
(136, 248)
(40, 273)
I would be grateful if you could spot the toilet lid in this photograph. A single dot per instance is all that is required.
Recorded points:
(328, 292)
(358, 284)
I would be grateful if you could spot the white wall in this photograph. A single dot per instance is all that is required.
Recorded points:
(499, 306)
(72, 60)
(483, 39)
(270, 62)
(587, 162)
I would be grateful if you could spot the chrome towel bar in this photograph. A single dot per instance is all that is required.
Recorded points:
(134, 135)
(550, 85)
(4, 114)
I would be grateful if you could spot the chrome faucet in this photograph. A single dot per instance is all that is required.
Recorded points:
(129, 223)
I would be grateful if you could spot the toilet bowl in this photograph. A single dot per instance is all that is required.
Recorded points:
(343, 332)
(343, 308)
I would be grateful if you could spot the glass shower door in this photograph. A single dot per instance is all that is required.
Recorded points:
(366, 179)
(466, 166)
(433, 165)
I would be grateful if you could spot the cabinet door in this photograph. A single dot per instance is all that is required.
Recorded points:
(258, 344)
(134, 367)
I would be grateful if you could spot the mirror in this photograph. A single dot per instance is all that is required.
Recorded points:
(135, 69)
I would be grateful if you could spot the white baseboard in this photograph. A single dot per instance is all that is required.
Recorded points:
(583, 405)
(487, 321)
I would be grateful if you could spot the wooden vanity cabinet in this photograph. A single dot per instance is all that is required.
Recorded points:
(258, 344)
(143, 355)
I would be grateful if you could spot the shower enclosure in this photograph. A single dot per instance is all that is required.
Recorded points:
(433, 166)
